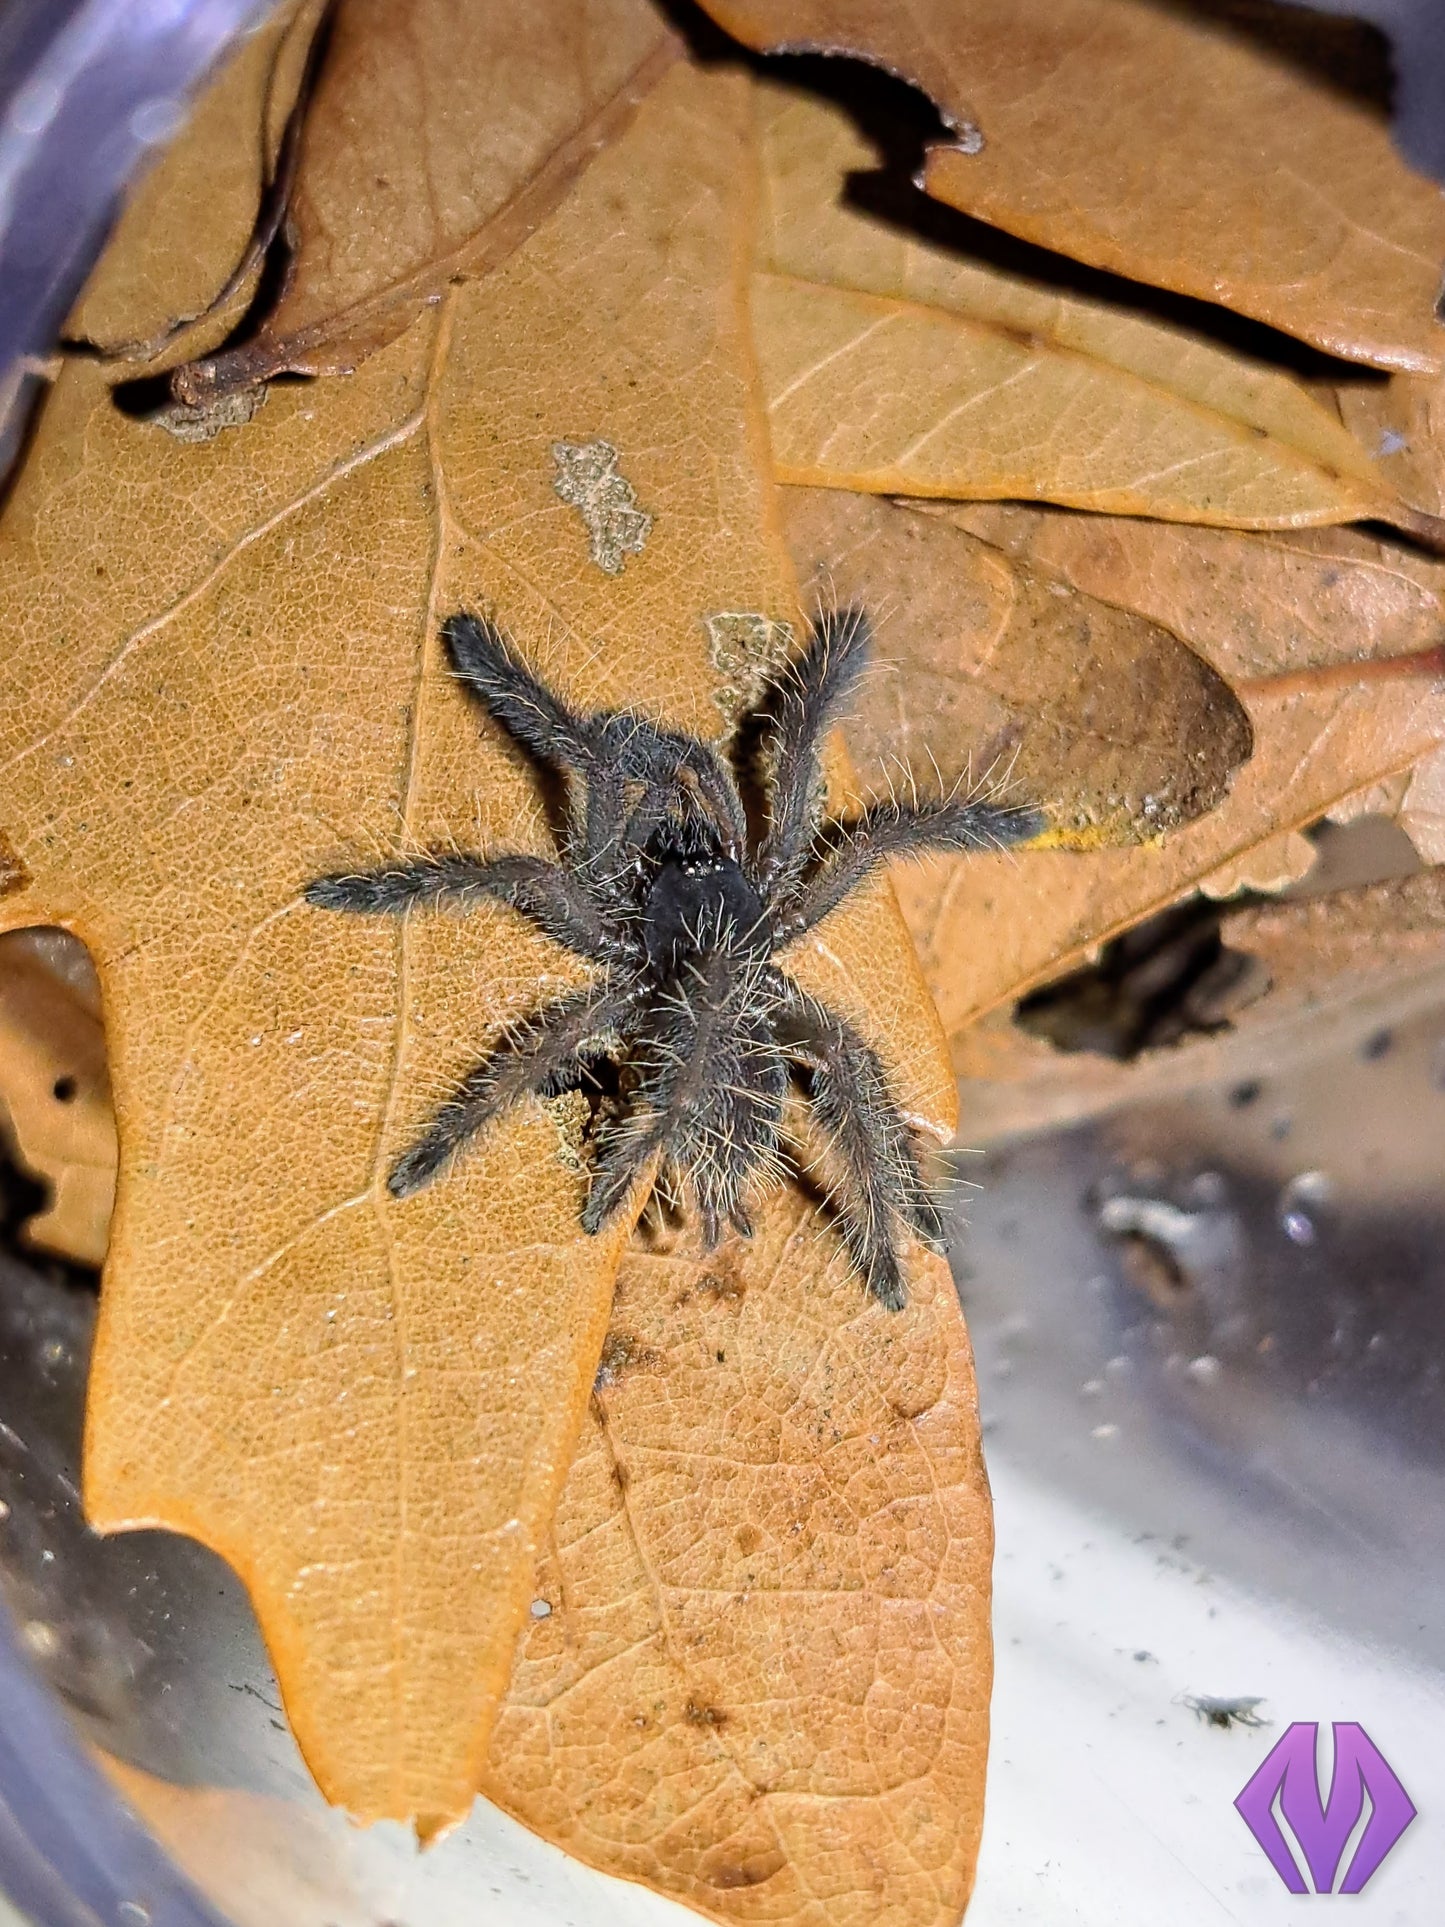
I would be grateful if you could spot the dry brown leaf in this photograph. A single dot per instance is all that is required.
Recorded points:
(1399, 421)
(1328, 971)
(1333, 945)
(225, 675)
(895, 398)
(1271, 865)
(55, 1104)
(763, 1682)
(993, 672)
(1218, 168)
(1252, 605)
(184, 232)
(959, 378)
(439, 137)
(1422, 809)
(1318, 737)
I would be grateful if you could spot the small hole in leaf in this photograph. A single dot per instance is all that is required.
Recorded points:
(64, 1090)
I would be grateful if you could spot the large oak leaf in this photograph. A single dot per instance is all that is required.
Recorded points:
(225, 677)
(763, 1681)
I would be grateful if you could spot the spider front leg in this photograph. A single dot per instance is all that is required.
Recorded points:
(851, 851)
(546, 894)
(528, 1058)
(804, 701)
(557, 735)
(880, 1180)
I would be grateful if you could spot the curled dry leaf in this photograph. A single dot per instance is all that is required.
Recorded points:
(1401, 422)
(55, 1090)
(1271, 865)
(438, 138)
(1333, 945)
(1256, 605)
(895, 398)
(1221, 168)
(227, 677)
(763, 1681)
(1252, 605)
(1422, 808)
(1319, 736)
(897, 364)
(179, 255)
(994, 673)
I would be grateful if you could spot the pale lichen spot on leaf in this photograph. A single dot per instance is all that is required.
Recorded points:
(588, 479)
(203, 421)
(570, 1112)
(746, 648)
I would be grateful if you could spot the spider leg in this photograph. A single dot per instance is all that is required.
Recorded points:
(545, 893)
(601, 751)
(739, 1138)
(851, 850)
(803, 702)
(881, 1179)
(526, 708)
(526, 1059)
(709, 1100)
(550, 729)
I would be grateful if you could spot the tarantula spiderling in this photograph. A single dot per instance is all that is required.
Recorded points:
(682, 917)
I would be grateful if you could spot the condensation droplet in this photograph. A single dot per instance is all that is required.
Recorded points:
(1304, 1192)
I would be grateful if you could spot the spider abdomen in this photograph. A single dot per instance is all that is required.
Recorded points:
(702, 903)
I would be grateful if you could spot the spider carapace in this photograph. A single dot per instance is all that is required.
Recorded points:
(682, 916)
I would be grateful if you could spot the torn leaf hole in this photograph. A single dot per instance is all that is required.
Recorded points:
(1169, 979)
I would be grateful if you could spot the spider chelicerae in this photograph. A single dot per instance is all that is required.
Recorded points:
(683, 916)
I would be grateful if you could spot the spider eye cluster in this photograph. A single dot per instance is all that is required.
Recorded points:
(698, 905)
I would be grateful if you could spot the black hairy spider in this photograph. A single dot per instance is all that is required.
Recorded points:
(681, 914)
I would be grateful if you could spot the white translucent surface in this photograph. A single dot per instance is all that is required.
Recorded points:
(1110, 1802)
